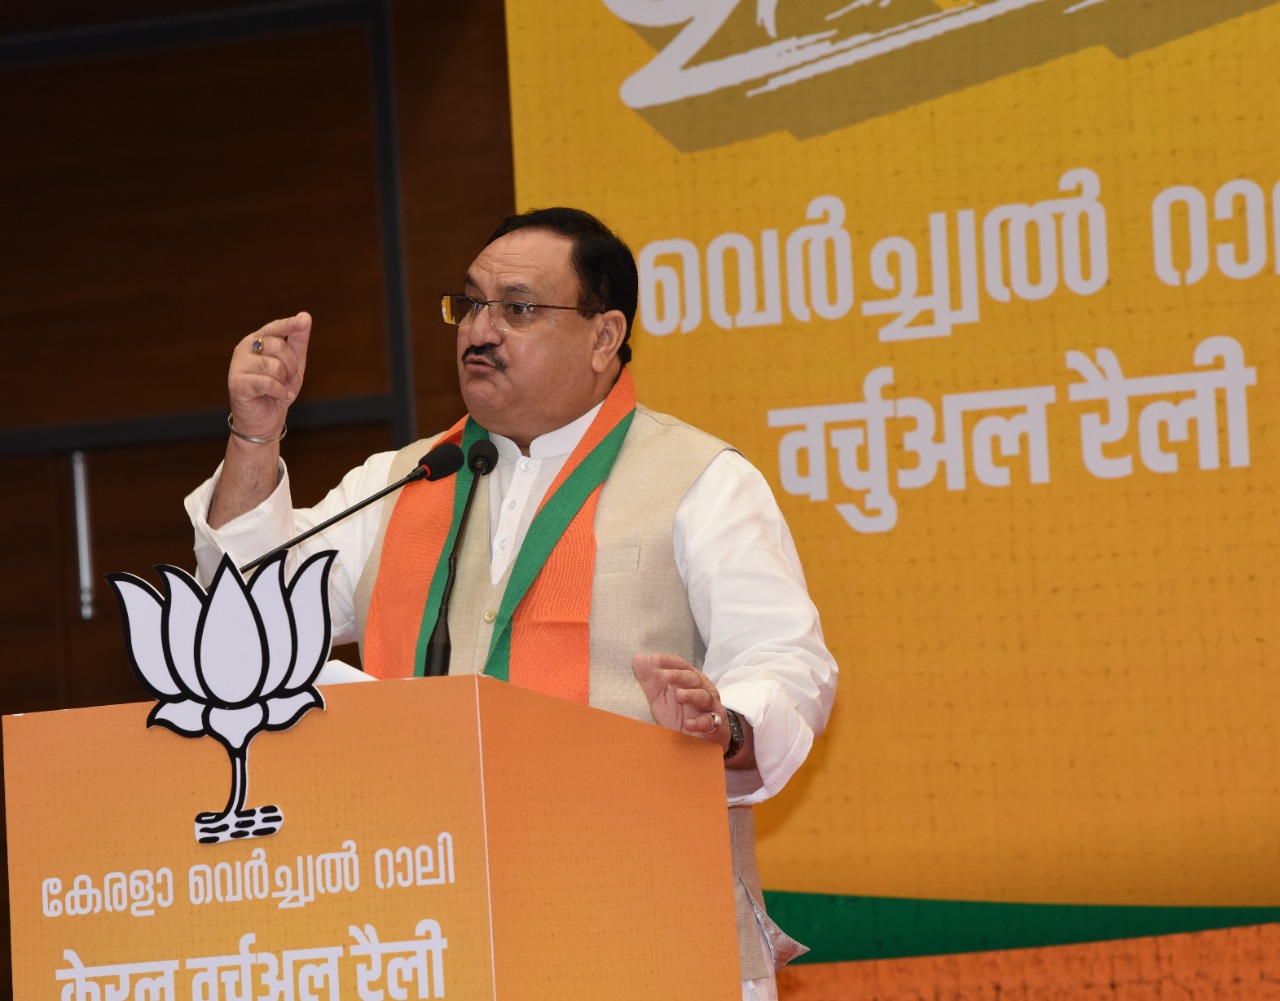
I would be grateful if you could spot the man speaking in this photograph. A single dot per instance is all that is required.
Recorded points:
(650, 570)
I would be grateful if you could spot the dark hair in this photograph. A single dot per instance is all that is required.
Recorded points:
(605, 266)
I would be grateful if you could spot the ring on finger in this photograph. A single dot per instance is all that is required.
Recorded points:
(258, 344)
(715, 721)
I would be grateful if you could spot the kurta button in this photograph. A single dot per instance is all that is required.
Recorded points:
(489, 615)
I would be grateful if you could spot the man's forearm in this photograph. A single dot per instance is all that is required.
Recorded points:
(250, 472)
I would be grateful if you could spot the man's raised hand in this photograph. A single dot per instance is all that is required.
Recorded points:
(266, 373)
(265, 377)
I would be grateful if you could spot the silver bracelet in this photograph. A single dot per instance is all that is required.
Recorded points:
(257, 441)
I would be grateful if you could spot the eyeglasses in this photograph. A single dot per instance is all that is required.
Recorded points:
(458, 309)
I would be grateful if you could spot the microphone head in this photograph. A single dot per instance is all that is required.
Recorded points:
(443, 460)
(482, 457)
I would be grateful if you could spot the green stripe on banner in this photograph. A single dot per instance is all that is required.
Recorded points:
(839, 929)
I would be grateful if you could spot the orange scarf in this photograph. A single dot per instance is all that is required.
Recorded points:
(541, 638)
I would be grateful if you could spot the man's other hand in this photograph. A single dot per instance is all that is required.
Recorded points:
(683, 698)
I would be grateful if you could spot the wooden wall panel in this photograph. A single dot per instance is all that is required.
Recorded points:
(33, 569)
(456, 168)
(161, 204)
(21, 16)
(158, 206)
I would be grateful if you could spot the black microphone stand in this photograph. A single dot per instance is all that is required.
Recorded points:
(480, 459)
(440, 462)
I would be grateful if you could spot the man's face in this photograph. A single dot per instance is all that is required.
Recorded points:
(523, 380)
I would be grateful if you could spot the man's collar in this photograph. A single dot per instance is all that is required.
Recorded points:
(552, 445)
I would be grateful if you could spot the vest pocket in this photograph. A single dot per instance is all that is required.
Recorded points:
(617, 559)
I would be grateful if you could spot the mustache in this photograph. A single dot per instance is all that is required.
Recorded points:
(488, 352)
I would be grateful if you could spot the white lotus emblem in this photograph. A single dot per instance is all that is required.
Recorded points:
(229, 663)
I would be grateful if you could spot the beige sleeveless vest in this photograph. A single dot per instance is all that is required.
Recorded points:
(638, 604)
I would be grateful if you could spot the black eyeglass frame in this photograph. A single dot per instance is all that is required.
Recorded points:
(446, 312)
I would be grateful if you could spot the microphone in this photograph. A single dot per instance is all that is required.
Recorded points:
(481, 459)
(443, 460)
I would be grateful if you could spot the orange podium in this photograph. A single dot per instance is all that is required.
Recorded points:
(453, 837)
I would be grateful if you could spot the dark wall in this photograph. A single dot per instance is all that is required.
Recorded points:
(174, 175)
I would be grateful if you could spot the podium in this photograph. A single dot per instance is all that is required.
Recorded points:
(454, 837)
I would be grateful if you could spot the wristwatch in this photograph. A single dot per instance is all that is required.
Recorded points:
(736, 738)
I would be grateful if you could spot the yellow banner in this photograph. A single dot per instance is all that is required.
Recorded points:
(986, 289)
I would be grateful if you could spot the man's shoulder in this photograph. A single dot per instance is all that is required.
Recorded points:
(658, 441)
(654, 422)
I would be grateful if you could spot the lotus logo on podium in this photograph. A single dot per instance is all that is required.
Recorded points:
(229, 663)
